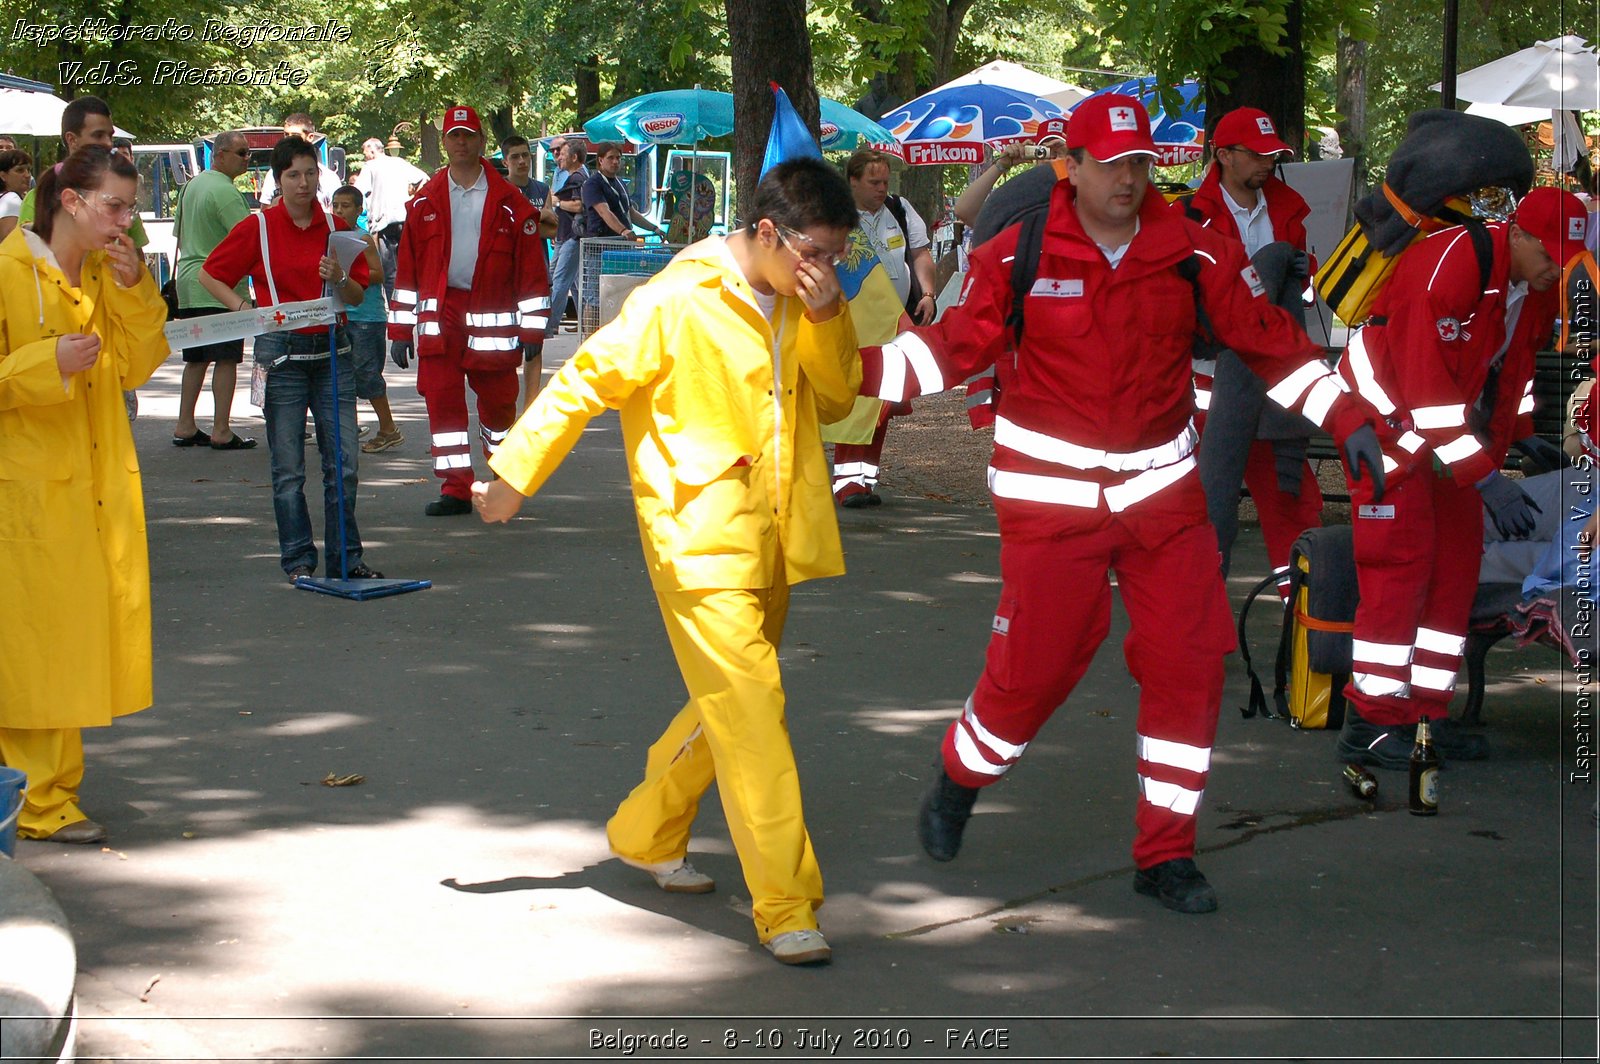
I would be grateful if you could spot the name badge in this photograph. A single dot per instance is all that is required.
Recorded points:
(896, 241)
(1057, 288)
(1371, 512)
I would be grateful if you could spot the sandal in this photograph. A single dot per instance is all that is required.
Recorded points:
(199, 439)
(235, 442)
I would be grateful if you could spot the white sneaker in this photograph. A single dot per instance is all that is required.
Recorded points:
(800, 947)
(677, 877)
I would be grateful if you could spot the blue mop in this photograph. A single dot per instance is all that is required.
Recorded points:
(343, 586)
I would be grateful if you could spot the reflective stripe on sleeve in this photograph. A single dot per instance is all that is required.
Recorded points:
(1462, 447)
(402, 317)
(1411, 442)
(405, 295)
(1366, 380)
(493, 343)
(1323, 395)
(1448, 416)
(1288, 391)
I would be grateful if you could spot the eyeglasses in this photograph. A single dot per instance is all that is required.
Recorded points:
(117, 210)
(815, 255)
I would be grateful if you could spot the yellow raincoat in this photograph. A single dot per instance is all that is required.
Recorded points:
(719, 417)
(74, 565)
(725, 473)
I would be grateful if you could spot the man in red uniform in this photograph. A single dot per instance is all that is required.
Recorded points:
(1240, 197)
(471, 292)
(1094, 469)
(1446, 360)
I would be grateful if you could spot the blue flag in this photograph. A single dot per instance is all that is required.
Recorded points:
(789, 139)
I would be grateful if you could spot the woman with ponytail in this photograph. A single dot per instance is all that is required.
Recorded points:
(80, 321)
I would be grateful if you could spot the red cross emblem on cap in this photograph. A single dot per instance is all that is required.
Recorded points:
(1121, 114)
(1264, 124)
(460, 116)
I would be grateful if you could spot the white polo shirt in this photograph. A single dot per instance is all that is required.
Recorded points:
(466, 223)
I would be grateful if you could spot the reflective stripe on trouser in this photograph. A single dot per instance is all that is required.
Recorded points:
(1055, 610)
(443, 380)
(1418, 575)
(731, 730)
(53, 761)
(852, 461)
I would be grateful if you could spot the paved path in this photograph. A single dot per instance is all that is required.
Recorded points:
(460, 903)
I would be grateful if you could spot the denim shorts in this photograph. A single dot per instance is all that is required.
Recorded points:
(366, 350)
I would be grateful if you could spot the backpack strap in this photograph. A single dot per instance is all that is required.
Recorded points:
(1025, 265)
(1189, 270)
(1258, 700)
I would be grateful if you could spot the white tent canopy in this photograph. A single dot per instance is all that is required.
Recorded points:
(1560, 74)
(1019, 78)
(34, 114)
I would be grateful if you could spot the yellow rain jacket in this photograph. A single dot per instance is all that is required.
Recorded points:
(74, 564)
(719, 418)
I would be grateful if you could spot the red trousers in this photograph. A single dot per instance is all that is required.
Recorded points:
(442, 379)
(1417, 559)
(856, 464)
(1055, 610)
(1283, 516)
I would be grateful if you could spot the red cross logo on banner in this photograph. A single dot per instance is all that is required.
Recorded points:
(278, 317)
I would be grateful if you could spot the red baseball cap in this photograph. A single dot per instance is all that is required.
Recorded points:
(1557, 218)
(1110, 127)
(461, 117)
(1051, 129)
(1246, 127)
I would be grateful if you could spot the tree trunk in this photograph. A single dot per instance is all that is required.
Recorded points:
(1274, 83)
(432, 157)
(769, 42)
(1351, 103)
(501, 125)
(586, 88)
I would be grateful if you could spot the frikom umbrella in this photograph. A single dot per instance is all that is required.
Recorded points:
(953, 123)
(1562, 74)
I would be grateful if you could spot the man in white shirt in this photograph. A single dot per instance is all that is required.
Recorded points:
(386, 182)
(899, 237)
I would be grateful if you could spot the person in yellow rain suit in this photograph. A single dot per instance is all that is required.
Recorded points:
(721, 367)
(80, 322)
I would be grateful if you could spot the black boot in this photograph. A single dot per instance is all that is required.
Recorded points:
(945, 809)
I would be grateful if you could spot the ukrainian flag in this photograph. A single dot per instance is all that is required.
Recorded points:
(876, 310)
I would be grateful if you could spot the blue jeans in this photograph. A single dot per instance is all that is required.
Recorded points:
(563, 279)
(295, 387)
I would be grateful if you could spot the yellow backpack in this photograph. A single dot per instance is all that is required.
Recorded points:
(1349, 282)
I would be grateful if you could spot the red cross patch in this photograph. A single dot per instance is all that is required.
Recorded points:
(1122, 119)
(1449, 329)
(530, 227)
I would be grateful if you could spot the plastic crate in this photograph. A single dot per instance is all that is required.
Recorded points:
(608, 269)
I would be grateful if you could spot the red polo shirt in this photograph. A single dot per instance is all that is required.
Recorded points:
(295, 255)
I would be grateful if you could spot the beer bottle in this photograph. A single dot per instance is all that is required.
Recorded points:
(1364, 783)
(1424, 774)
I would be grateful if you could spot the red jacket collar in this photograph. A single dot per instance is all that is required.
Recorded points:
(1161, 239)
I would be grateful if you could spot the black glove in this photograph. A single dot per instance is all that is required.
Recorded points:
(1300, 266)
(1509, 506)
(1361, 448)
(1545, 454)
(400, 353)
